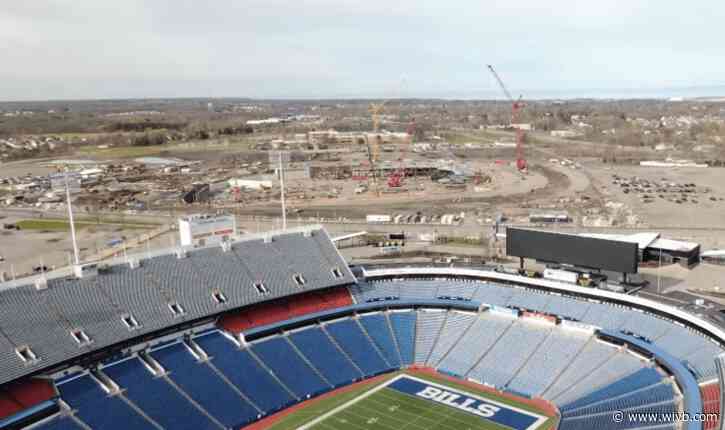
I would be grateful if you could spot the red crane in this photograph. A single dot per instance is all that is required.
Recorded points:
(516, 107)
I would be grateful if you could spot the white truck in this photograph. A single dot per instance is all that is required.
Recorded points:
(561, 275)
(377, 219)
(581, 279)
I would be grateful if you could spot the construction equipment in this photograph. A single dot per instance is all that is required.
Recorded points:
(376, 110)
(395, 180)
(516, 107)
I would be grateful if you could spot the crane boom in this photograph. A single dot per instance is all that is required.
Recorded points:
(500, 83)
(516, 106)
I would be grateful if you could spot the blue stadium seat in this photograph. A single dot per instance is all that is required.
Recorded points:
(377, 327)
(156, 397)
(205, 386)
(97, 409)
(245, 373)
(636, 380)
(348, 335)
(325, 356)
(290, 368)
(403, 324)
(657, 393)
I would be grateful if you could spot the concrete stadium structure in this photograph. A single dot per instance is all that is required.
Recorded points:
(221, 337)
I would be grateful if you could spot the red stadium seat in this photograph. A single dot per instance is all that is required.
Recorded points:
(710, 403)
(283, 309)
(20, 396)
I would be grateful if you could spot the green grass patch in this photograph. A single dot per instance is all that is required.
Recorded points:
(45, 224)
(231, 144)
(64, 225)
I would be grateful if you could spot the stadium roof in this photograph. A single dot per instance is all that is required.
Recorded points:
(40, 328)
(647, 240)
(643, 240)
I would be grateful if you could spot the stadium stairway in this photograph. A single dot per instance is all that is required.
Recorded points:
(454, 329)
(328, 359)
(60, 423)
(402, 324)
(376, 328)
(347, 335)
(294, 372)
(156, 395)
(465, 355)
(428, 328)
(204, 385)
(100, 409)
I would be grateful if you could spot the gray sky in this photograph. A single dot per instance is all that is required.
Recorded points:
(76, 49)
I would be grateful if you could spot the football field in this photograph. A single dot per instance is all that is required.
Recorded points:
(407, 402)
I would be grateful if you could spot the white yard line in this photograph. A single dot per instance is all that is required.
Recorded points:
(345, 405)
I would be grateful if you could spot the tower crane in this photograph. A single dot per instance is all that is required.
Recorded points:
(396, 178)
(516, 107)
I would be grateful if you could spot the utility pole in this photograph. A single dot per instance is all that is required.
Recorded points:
(659, 272)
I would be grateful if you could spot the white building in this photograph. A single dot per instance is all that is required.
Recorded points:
(201, 230)
(250, 184)
(565, 133)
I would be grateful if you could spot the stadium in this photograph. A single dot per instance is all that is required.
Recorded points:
(277, 331)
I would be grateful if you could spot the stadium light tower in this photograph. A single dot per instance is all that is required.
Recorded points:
(282, 158)
(76, 257)
(281, 187)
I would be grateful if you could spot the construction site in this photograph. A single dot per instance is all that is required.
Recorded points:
(384, 168)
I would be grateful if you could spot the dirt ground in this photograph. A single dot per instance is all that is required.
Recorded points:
(25, 249)
(547, 186)
(662, 213)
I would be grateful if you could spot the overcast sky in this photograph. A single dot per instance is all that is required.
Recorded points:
(74, 49)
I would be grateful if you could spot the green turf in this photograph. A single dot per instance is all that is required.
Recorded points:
(45, 224)
(392, 410)
(302, 416)
(63, 225)
(389, 409)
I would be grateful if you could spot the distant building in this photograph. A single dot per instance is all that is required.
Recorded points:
(527, 126)
(251, 184)
(58, 182)
(267, 121)
(549, 217)
(716, 256)
(565, 133)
